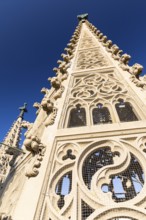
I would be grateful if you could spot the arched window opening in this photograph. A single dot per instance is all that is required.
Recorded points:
(77, 117)
(125, 111)
(124, 186)
(127, 184)
(94, 162)
(101, 115)
(63, 188)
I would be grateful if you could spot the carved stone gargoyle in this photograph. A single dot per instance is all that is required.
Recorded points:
(55, 82)
(51, 111)
(73, 41)
(108, 45)
(138, 82)
(100, 35)
(93, 28)
(71, 46)
(116, 52)
(97, 32)
(136, 69)
(103, 39)
(65, 57)
(69, 52)
(37, 149)
(37, 105)
(61, 76)
(124, 60)
(51, 117)
(45, 91)
(27, 125)
(75, 36)
(62, 66)
(47, 105)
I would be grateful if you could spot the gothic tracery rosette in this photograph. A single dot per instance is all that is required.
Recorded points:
(107, 164)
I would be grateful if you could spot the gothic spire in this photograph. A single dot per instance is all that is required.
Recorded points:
(9, 148)
(22, 109)
(13, 136)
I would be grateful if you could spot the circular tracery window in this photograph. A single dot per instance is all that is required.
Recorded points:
(123, 186)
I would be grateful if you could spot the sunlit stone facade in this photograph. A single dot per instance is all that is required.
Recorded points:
(84, 157)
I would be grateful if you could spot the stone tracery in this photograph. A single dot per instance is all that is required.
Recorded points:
(121, 166)
(100, 88)
(91, 59)
(92, 192)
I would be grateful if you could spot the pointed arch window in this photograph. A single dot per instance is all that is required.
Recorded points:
(63, 188)
(77, 117)
(125, 111)
(101, 115)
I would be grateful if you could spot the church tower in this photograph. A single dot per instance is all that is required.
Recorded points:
(85, 154)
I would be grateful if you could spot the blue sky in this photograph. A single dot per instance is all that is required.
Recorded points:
(33, 34)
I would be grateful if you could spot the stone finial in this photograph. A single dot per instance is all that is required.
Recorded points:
(22, 109)
(82, 17)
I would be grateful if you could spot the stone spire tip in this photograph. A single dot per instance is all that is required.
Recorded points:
(82, 17)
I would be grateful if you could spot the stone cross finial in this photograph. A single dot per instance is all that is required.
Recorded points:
(82, 17)
(22, 109)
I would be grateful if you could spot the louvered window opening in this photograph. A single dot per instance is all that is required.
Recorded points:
(125, 111)
(77, 117)
(101, 115)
